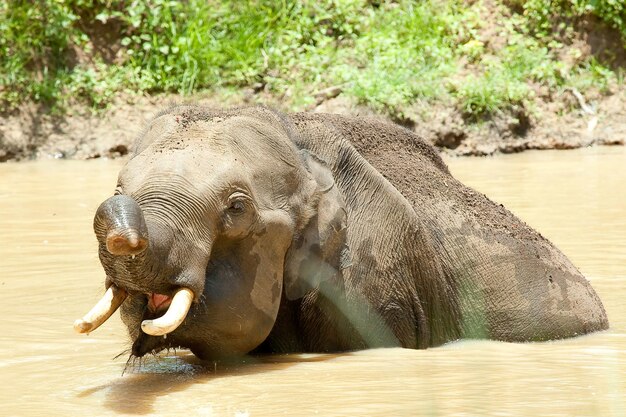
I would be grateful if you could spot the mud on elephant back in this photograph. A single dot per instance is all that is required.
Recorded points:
(248, 230)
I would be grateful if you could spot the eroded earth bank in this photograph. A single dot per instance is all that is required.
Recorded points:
(567, 122)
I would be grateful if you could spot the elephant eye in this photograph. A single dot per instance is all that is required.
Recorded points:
(236, 207)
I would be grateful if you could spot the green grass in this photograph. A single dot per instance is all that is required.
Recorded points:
(387, 55)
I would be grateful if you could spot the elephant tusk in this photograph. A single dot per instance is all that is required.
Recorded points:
(173, 317)
(107, 305)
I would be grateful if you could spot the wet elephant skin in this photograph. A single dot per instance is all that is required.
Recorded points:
(312, 232)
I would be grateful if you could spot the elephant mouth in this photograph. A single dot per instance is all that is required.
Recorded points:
(174, 308)
(158, 303)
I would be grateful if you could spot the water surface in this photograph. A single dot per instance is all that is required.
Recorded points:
(50, 275)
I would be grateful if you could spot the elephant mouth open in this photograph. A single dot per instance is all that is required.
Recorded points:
(175, 310)
(158, 303)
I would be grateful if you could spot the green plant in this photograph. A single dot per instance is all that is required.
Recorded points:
(35, 39)
(490, 93)
(541, 13)
(388, 55)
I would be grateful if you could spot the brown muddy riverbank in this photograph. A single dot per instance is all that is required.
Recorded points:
(51, 274)
(565, 122)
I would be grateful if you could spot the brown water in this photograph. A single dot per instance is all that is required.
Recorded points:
(50, 275)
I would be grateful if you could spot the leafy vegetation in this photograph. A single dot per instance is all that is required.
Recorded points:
(388, 55)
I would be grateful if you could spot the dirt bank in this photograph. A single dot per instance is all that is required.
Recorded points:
(565, 122)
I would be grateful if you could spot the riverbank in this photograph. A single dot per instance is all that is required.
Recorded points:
(567, 122)
(473, 77)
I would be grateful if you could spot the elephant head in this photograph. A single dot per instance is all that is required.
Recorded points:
(215, 218)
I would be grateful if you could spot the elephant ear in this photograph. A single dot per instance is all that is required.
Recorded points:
(319, 251)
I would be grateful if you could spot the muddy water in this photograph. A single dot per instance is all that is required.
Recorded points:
(49, 275)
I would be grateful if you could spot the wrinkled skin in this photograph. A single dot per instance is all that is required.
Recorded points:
(312, 233)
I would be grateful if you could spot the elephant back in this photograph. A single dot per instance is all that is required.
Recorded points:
(509, 282)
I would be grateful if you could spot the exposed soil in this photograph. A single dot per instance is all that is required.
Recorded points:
(560, 124)
(566, 122)
(34, 133)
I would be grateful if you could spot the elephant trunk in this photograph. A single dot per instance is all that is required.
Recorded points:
(120, 225)
(120, 221)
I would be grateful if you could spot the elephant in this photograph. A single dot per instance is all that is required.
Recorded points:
(249, 230)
